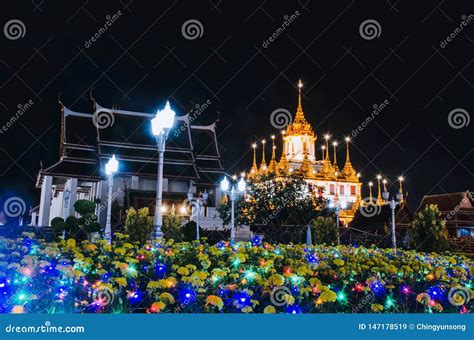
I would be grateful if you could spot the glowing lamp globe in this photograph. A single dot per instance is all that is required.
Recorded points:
(225, 184)
(164, 120)
(241, 185)
(111, 166)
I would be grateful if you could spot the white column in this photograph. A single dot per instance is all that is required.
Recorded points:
(45, 201)
(135, 181)
(71, 186)
(102, 190)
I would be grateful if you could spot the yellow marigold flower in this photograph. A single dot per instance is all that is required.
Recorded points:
(376, 307)
(423, 298)
(289, 299)
(276, 280)
(328, 296)
(269, 310)
(183, 271)
(120, 251)
(214, 300)
(167, 298)
(91, 247)
(339, 262)
(247, 310)
(18, 309)
(121, 281)
(157, 307)
(71, 243)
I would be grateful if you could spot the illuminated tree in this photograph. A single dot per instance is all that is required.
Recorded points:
(271, 200)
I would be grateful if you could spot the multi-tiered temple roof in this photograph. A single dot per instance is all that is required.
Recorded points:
(88, 140)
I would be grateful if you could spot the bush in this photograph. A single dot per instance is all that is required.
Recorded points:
(139, 225)
(428, 231)
(324, 230)
(172, 227)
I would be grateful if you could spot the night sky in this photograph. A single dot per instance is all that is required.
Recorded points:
(143, 59)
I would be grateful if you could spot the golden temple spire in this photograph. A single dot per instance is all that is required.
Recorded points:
(273, 164)
(306, 168)
(254, 169)
(400, 179)
(348, 171)
(334, 145)
(379, 195)
(327, 169)
(263, 165)
(300, 107)
(283, 165)
(323, 150)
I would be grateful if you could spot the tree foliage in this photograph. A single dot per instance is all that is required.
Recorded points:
(274, 200)
(428, 230)
(139, 225)
(324, 230)
(78, 228)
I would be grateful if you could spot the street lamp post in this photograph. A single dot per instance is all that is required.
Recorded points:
(336, 202)
(111, 168)
(241, 187)
(393, 204)
(161, 126)
(199, 202)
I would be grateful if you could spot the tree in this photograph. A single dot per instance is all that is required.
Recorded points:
(325, 230)
(139, 225)
(172, 227)
(271, 200)
(428, 231)
(78, 228)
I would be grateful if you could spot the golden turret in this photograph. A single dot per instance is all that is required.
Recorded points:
(254, 170)
(306, 169)
(272, 167)
(348, 171)
(283, 166)
(299, 126)
(263, 166)
(379, 194)
(371, 199)
(327, 169)
(400, 179)
(335, 166)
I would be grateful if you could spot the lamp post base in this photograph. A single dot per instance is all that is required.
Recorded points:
(157, 234)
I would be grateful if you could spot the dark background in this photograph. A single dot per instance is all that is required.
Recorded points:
(143, 59)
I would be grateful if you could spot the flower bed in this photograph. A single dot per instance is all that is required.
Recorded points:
(67, 277)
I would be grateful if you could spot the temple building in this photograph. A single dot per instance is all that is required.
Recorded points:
(457, 209)
(299, 156)
(192, 162)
